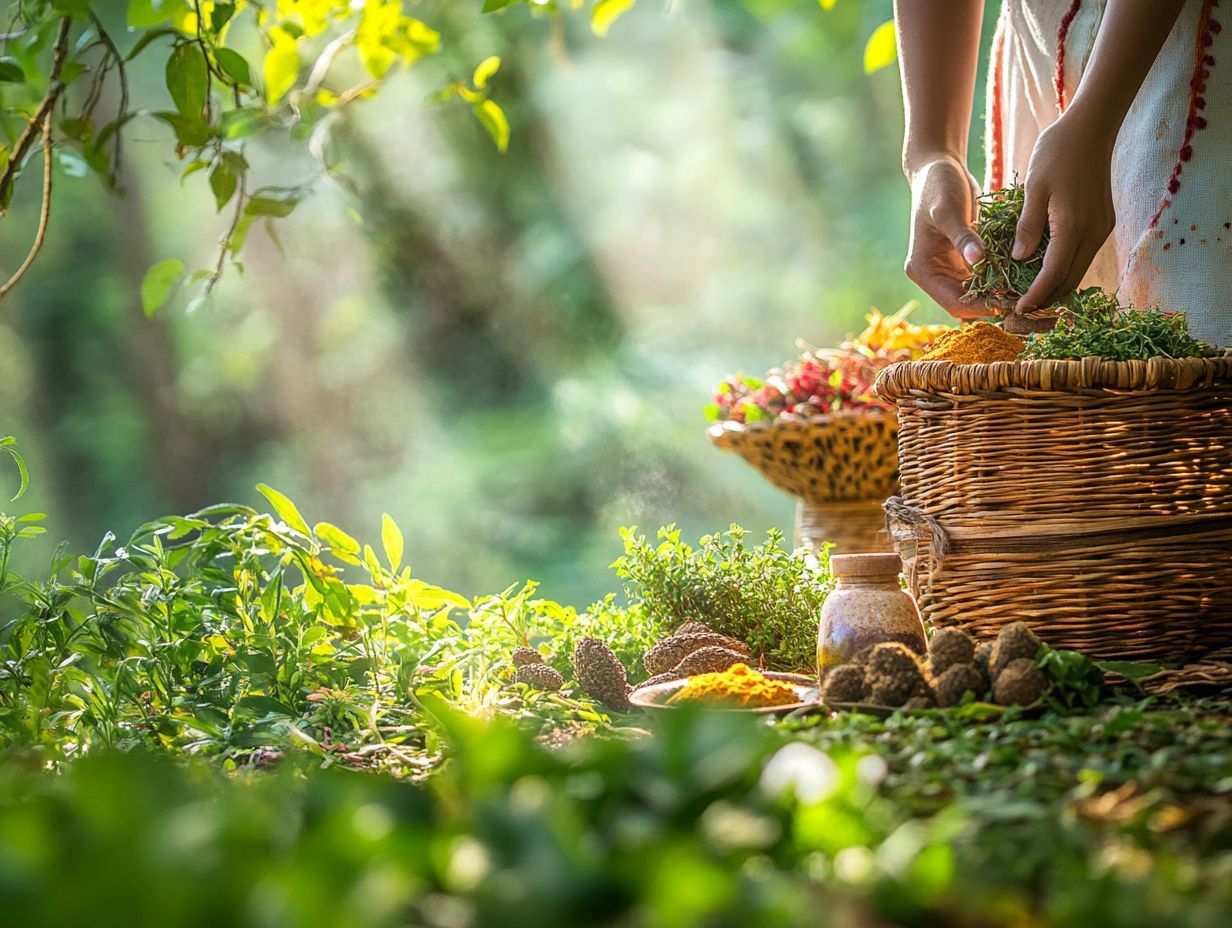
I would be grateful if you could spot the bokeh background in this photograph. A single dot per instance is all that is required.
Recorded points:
(509, 353)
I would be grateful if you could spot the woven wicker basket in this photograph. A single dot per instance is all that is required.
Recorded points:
(1091, 499)
(841, 467)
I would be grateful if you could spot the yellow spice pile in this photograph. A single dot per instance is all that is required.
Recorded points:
(739, 685)
(977, 343)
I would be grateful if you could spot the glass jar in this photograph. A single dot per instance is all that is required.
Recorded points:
(866, 607)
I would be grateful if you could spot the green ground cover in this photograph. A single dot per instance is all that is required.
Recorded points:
(241, 717)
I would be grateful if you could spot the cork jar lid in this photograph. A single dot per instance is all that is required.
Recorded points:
(888, 564)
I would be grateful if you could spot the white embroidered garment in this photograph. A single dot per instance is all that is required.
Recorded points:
(1172, 165)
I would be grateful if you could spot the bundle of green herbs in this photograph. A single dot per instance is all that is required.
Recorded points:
(997, 278)
(1093, 325)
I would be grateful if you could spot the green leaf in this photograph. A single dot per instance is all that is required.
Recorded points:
(336, 538)
(1131, 670)
(221, 16)
(391, 538)
(10, 71)
(157, 283)
(147, 38)
(280, 68)
(284, 509)
(187, 79)
(278, 207)
(78, 9)
(606, 12)
(145, 13)
(234, 65)
(72, 163)
(484, 71)
(193, 168)
(223, 182)
(492, 118)
(880, 51)
(491, 6)
(7, 444)
(189, 132)
(241, 123)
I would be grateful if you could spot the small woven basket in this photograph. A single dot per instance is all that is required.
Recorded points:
(841, 466)
(1091, 499)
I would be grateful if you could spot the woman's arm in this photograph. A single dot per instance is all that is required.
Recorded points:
(1069, 180)
(938, 48)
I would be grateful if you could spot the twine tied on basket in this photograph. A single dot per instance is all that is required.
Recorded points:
(905, 522)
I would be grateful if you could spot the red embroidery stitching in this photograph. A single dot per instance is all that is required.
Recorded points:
(1058, 78)
(1208, 28)
(996, 144)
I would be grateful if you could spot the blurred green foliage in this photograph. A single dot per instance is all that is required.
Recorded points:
(716, 820)
(507, 352)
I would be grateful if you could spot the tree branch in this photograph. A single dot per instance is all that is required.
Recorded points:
(44, 213)
(241, 199)
(42, 117)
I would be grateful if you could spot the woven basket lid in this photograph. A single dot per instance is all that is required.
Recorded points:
(885, 564)
(945, 377)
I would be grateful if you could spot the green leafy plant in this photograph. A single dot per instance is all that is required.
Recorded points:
(1076, 682)
(997, 277)
(766, 595)
(1093, 325)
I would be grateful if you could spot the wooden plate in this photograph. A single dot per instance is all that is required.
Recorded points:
(657, 696)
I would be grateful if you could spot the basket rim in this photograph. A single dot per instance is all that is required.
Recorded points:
(730, 429)
(1069, 376)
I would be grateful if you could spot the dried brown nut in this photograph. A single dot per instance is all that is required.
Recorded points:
(1015, 641)
(658, 678)
(948, 647)
(920, 702)
(951, 686)
(895, 689)
(844, 684)
(708, 660)
(893, 675)
(600, 674)
(890, 658)
(539, 677)
(671, 651)
(1020, 683)
(693, 628)
(523, 656)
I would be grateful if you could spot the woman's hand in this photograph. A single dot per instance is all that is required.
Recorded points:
(1069, 193)
(943, 246)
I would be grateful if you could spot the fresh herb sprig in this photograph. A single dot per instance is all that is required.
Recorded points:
(1093, 325)
(997, 277)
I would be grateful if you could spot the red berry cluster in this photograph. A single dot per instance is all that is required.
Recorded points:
(817, 384)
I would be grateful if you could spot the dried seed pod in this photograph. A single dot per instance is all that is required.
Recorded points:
(539, 677)
(952, 685)
(708, 660)
(891, 658)
(693, 628)
(948, 647)
(600, 674)
(1016, 641)
(658, 678)
(844, 684)
(1020, 683)
(894, 675)
(671, 651)
(523, 656)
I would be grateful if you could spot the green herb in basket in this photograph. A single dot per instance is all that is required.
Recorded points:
(1093, 325)
(997, 277)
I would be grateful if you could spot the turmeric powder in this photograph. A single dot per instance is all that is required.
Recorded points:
(977, 343)
(739, 685)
